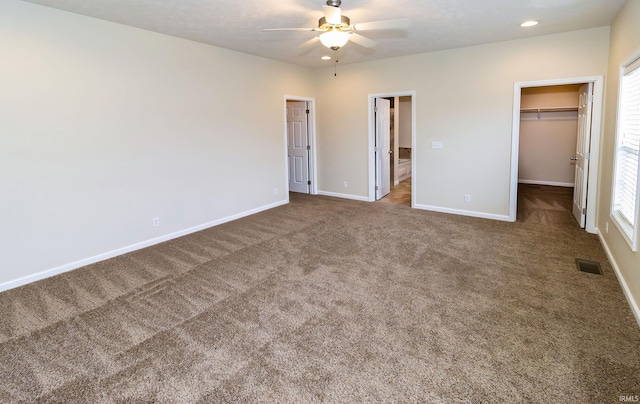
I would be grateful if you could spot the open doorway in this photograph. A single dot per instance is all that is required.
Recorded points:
(300, 144)
(555, 145)
(391, 141)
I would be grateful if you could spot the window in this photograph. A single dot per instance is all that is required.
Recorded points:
(625, 186)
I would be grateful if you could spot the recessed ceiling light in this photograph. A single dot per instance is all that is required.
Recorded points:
(326, 58)
(529, 23)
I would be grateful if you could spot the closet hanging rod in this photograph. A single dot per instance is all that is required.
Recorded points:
(549, 109)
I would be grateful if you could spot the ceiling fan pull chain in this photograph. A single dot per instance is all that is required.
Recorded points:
(335, 65)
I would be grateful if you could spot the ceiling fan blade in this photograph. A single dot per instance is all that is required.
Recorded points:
(389, 24)
(290, 29)
(310, 42)
(332, 15)
(362, 41)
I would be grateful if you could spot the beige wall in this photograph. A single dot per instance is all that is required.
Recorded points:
(405, 121)
(104, 127)
(548, 139)
(625, 40)
(464, 98)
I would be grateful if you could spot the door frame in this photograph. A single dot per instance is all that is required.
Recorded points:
(594, 152)
(372, 141)
(311, 130)
(381, 146)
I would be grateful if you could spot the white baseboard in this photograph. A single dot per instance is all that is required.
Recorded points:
(482, 215)
(635, 307)
(553, 184)
(133, 247)
(344, 196)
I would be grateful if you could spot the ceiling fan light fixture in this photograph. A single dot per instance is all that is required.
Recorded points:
(334, 39)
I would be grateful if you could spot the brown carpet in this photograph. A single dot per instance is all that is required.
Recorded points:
(338, 301)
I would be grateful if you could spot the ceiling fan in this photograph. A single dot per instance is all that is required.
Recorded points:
(336, 29)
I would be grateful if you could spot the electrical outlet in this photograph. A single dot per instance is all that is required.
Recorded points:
(467, 198)
(344, 184)
(276, 191)
(437, 145)
(606, 227)
(156, 221)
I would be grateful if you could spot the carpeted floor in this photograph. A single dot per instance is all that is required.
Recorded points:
(337, 301)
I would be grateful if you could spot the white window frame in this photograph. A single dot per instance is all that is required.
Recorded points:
(628, 229)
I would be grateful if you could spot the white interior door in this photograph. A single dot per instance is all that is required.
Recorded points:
(297, 146)
(581, 158)
(383, 147)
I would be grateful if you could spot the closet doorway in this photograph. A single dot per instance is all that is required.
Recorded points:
(556, 137)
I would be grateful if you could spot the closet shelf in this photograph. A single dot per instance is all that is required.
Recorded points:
(549, 109)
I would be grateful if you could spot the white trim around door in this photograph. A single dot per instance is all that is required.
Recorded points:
(596, 133)
(372, 139)
(313, 169)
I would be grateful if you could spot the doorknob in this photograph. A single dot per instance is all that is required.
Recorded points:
(574, 158)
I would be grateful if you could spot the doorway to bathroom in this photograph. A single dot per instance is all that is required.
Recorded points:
(391, 142)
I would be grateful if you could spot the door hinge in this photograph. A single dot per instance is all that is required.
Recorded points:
(587, 156)
(307, 112)
(376, 187)
(308, 147)
(584, 211)
(590, 97)
(309, 182)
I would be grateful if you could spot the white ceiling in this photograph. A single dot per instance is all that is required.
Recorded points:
(435, 24)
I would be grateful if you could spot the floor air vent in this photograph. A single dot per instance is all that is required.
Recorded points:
(591, 267)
